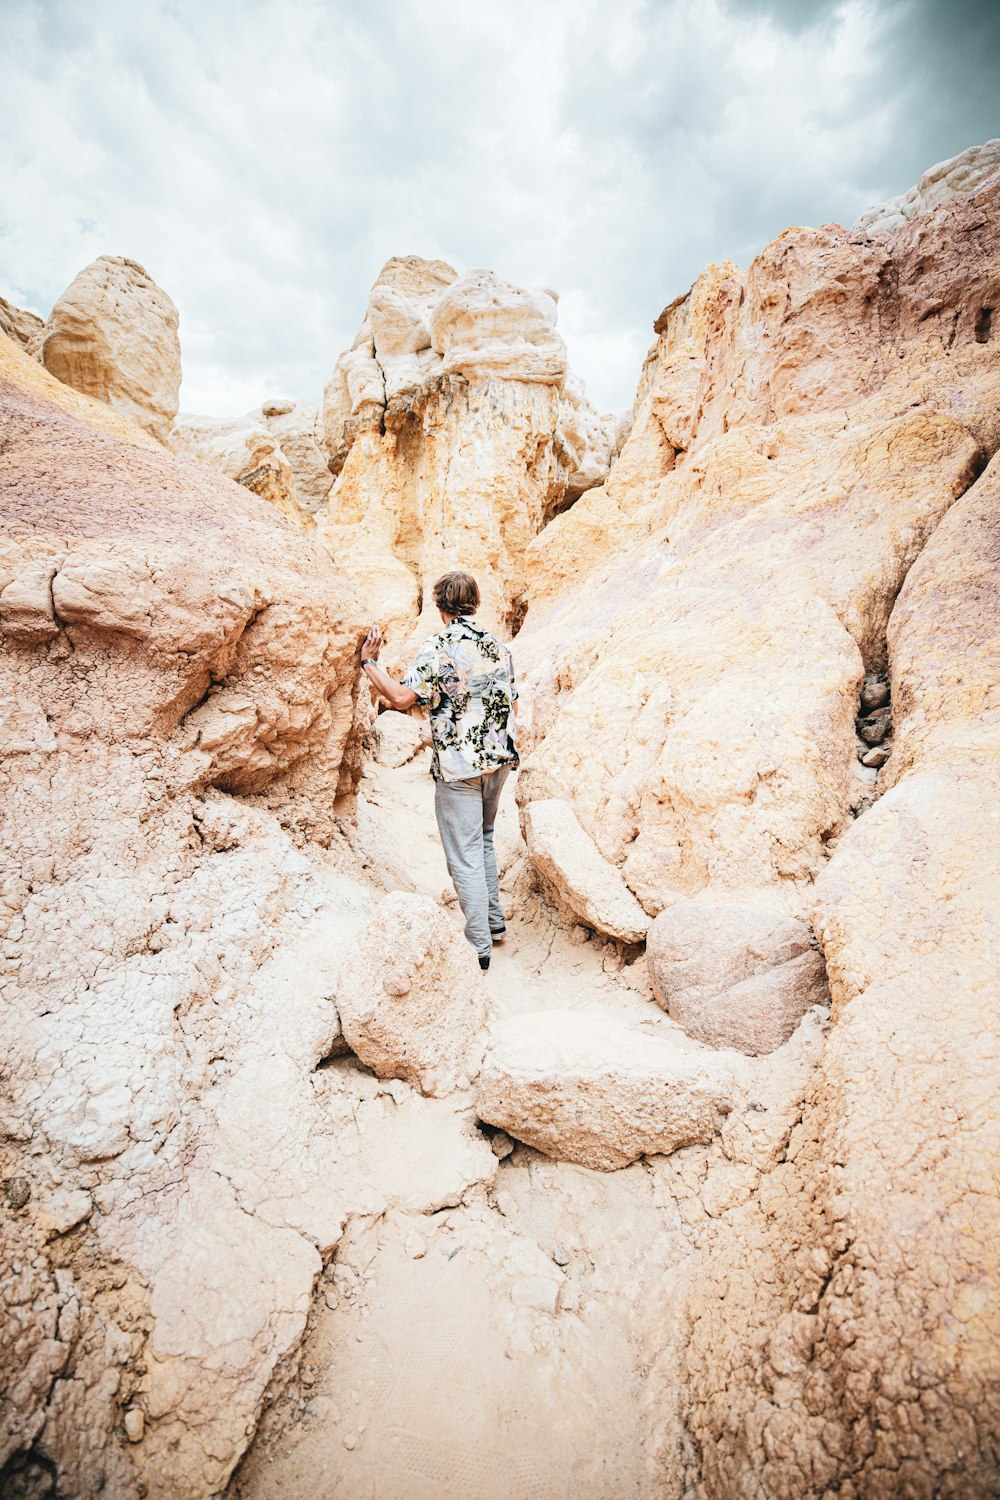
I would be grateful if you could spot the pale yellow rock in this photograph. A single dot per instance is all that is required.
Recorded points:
(454, 437)
(23, 327)
(113, 335)
(695, 695)
(297, 427)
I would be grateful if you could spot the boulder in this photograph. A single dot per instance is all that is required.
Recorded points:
(396, 738)
(412, 999)
(734, 973)
(113, 335)
(591, 1090)
(484, 326)
(576, 876)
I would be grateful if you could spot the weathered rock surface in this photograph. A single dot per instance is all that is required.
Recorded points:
(870, 1350)
(113, 335)
(953, 178)
(453, 441)
(734, 973)
(701, 625)
(24, 327)
(298, 429)
(246, 452)
(411, 997)
(166, 642)
(591, 1090)
(396, 738)
(576, 876)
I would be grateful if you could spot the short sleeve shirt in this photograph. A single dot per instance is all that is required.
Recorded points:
(465, 676)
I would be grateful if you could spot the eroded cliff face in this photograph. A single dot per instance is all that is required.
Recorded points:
(802, 431)
(167, 641)
(456, 432)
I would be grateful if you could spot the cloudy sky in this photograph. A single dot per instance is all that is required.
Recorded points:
(263, 159)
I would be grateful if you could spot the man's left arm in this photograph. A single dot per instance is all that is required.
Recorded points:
(394, 693)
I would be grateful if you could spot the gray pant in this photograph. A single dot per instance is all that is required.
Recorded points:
(466, 812)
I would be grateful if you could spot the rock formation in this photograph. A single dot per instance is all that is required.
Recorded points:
(262, 1228)
(113, 335)
(25, 328)
(297, 426)
(166, 643)
(800, 431)
(456, 435)
(245, 451)
(949, 179)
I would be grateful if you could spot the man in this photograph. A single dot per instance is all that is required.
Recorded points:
(466, 676)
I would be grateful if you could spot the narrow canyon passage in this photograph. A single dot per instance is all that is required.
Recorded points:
(487, 1339)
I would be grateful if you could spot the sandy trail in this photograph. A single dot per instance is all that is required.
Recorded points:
(482, 1341)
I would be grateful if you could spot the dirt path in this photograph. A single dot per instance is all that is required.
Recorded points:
(484, 1339)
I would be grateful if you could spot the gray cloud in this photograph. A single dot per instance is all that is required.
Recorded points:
(263, 159)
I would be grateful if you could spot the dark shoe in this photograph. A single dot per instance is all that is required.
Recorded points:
(498, 934)
(484, 961)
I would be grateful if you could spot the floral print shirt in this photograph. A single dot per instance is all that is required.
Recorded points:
(466, 676)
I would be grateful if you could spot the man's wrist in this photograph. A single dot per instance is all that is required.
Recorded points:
(369, 661)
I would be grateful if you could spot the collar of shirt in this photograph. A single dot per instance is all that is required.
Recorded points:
(462, 625)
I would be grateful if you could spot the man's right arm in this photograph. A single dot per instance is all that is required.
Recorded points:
(395, 694)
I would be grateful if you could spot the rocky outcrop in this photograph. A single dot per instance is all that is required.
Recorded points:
(411, 998)
(25, 328)
(734, 974)
(113, 335)
(246, 452)
(953, 178)
(298, 429)
(444, 424)
(692, 687)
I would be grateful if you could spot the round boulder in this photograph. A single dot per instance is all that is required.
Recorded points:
(735, 973)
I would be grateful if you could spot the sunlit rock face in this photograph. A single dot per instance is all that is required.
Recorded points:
(701, 626)
(456, 435)
(113, 335)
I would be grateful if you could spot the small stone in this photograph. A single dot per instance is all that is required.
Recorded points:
(874, 695)
(17, 1191)
(569, 1297)
(874, 728)
(876, 757)
(415, 1245)
(135, 1424)
(308, 1375)
(561, 1255)
(351, 1441)
(502, 1145)
(538, 1292)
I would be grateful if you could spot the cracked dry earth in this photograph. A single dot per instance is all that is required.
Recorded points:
(504, 1326)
